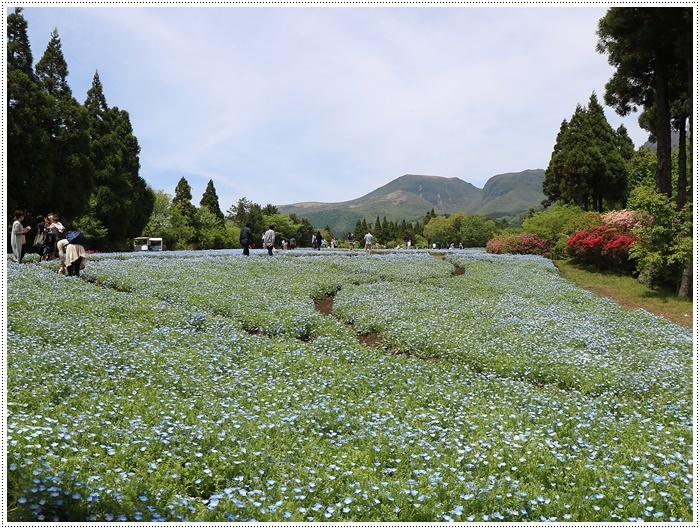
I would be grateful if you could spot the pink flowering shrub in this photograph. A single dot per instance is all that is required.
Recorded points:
(626, 219)
(519, 243)
(605, 247)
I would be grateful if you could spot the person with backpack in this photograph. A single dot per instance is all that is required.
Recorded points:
(246, 238)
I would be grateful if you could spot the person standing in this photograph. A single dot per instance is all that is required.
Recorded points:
(246, 238)
(17, 237)
(368, 242)
(351, 240)
(269, 239)
(39, 237)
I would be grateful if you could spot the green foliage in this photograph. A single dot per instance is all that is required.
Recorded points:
(92, 228)
(586, 167)
(123, 201)
(211, 232)
(69, 148)
(651, 50)
(29, 176)
(439, 229)
(555, 225)
(476, 230)
(665, 246)
(159, 220)
(181, 232)
(471, 230)
(210, 200)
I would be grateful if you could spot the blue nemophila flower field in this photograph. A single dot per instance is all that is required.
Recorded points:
(206, 386)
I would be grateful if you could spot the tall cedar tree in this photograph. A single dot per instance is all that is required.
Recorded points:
(122, 201)
(183, 199)
(610, 177)
(586, 167)
(29, 175)
(210, 200)
(68, 134)
(649, 47)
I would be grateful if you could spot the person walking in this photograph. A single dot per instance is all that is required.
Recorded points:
(246, 238)
(368, 242)
(351, 240)
(269, 239)
(17, 238)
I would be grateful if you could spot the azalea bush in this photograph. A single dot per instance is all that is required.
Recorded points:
(205, 386)
(605, 247)
(627, 220)
(519, 243)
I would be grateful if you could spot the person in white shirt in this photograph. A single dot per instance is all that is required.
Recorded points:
(269, 240)
(368, 242)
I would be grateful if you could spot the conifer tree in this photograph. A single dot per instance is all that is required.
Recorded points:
(608, 179)
(210, 200)
(121, 201)
(650, 47)
(68, 133)
(586, 167)
(29, 176)
(183, 199)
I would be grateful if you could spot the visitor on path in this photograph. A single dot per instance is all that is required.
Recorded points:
(368, 242)
(17, 238)
(269, 239)
(351, 240)
(246, 238)
(292, 243)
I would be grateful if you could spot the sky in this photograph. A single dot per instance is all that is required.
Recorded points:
(291, 104)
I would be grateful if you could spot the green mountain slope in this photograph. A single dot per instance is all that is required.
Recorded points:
(409, 197)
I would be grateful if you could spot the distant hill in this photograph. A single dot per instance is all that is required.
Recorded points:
(410, 197)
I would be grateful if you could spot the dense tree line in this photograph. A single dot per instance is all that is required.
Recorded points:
(79, 161)
(183, 226)
(390, 233)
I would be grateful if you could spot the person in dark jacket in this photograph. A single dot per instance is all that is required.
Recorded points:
(246, 238)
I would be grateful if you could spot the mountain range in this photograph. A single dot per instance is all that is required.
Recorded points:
(410, 197)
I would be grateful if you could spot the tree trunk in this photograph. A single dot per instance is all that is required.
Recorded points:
(686, 288)
(663, 129)
(682, 168)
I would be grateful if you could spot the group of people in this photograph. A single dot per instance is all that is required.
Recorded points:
(49, 242)
(268, 239)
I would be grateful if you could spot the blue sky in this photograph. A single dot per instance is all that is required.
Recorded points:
(291, 104)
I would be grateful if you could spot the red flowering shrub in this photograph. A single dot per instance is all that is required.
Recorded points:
(602, 246)
(519, 243)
